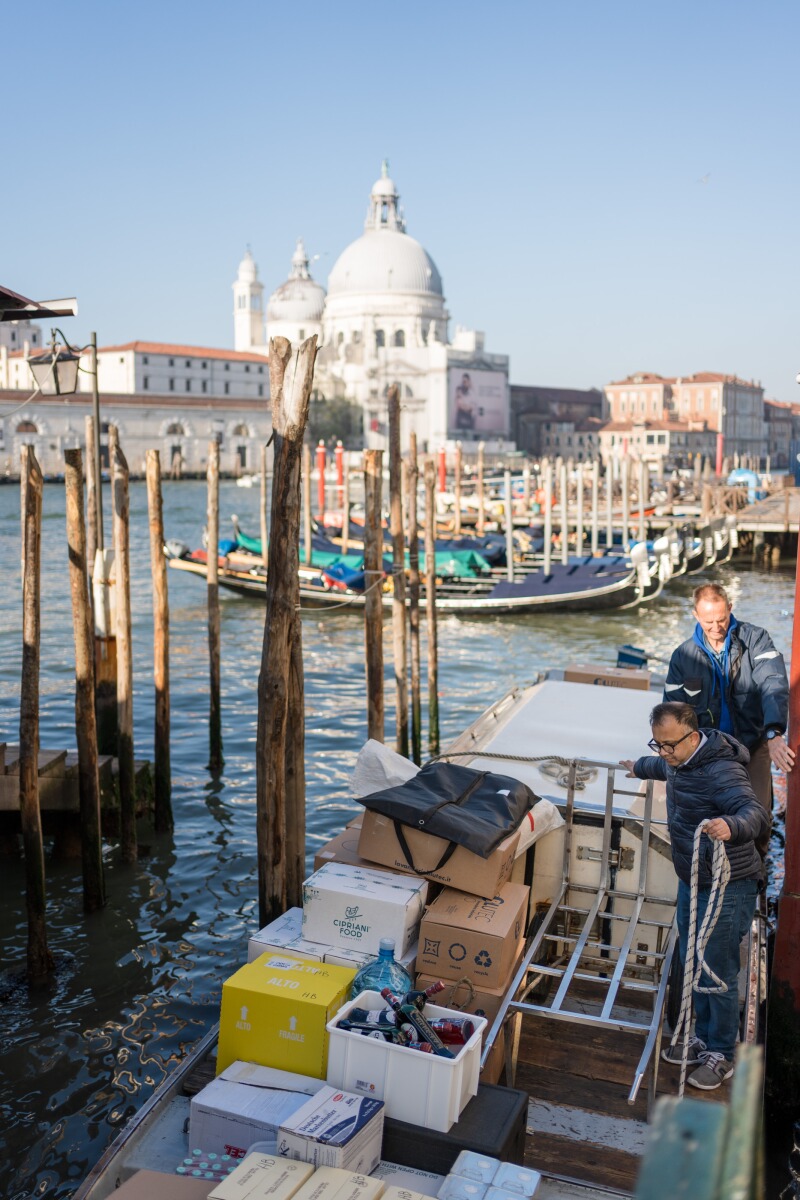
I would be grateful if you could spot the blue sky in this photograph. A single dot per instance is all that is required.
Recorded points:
(604, 186)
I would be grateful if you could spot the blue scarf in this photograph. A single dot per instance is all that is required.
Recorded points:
(721, 672)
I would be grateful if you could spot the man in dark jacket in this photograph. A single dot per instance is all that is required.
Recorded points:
(707, 782)
(735, 680)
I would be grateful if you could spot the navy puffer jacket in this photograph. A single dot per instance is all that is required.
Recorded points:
(714, 783)
(757, 691)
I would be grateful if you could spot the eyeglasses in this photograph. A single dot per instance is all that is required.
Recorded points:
(668, 746)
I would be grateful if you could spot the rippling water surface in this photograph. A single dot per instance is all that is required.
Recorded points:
(137, 984)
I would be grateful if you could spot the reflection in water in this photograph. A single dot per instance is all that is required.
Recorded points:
(136, 985)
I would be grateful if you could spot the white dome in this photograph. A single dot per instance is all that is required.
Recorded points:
(384, 260)
(300, 298)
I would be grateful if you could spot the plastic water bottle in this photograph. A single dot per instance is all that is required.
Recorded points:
(382, 972)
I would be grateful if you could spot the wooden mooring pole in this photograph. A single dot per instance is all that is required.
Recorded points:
(122, 565)
(564, 487)
(280, 799)
(345, 501)
(430, 606)
(158, 564)
(39, 959)
(398, 570)
(307, 535)
(94, 896)
(457, 471)
(215, 759)
(91, 504)
(104, 604)
(481, 493)
(373, 600)
(548, 517)
(263, 510)
(595, 505)
(413, 600)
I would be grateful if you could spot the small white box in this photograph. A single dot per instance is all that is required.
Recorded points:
(285, 933)
(471, 1165)
(350, 906)
(244, 1105)
(424, 1089)
(335, 1128)
(264, 1176)
(456, 1187)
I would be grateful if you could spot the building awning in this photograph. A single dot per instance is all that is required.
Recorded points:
(19, 308)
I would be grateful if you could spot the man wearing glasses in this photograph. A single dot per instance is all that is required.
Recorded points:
(707, 781)
(735, 680)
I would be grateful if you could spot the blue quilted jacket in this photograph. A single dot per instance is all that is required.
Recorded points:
(714, 783)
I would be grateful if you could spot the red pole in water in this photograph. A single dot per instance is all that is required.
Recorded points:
(321, 459)
(783, 1020)
(720, 447)
(442, 469)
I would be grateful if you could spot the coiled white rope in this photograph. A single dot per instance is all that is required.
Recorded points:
(697, 941)
(553, 766)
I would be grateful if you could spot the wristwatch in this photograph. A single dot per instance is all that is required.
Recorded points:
(773, 733)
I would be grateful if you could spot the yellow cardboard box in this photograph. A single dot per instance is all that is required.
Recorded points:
(274, 1012)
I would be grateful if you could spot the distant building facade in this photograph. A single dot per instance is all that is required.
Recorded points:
(673, 443)
(553, 421)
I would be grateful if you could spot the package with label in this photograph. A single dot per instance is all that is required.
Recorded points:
(472, 1165)
(427, 1183)
(246, 1104)
(282, 935)
(334, 1183)
(275, 1010)
(156, 1185)
(624, 677)
(353, 907)
(462, 935)
(378, 842)
(264, 1176)
(335, 1129)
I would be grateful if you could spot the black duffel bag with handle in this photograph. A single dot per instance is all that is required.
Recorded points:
(474, 809)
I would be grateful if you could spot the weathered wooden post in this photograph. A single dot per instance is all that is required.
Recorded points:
(481, 493)
(706, 502)
(548, 516)
(346, 503)
(459, 462)
(564, 514)
(122, 566)
(430, 607)
(307, 547)
(373, 599)
(579, 513)
(263, 509)
(508, 521)
(39, 959)
(215, 759)
(413, 600)
(595, 506)
(158, 564)
(526, 487)
(626, 505)
(398, 569)
(280, 778)
(642, 500)
(610, 464)
(85, 724)
(92, 542)
(104, 593)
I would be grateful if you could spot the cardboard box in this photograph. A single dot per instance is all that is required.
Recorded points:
(468, 996)
(284, 935)
(263, 1176)
(463, 935)
(333, 1183)
(481, 876)
(344, 849)
(343, 956)
(493, 1068)
(335, 1129)
(155, 1185)
(352, 907)
(275, 1012)
(244, 1105)
(626, 677)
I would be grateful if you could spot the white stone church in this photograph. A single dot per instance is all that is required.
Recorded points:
(383, 320)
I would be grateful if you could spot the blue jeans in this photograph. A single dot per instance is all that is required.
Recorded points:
(717, 1015)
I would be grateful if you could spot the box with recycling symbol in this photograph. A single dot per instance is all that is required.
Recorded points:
(469, 937)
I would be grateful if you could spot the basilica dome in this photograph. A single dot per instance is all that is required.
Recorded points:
(300, 298)
(385, 258)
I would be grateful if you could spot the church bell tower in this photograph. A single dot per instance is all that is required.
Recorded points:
(248, 308)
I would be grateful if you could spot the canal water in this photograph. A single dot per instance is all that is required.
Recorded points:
(137, 984)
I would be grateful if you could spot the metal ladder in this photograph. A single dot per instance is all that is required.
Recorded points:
(573, 946)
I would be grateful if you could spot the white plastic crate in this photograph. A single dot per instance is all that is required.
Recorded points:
(424, 1089)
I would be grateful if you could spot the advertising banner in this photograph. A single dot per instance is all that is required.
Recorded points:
(477, 402)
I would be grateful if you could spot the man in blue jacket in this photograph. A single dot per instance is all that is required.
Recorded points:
(735, 680)
(707, 782)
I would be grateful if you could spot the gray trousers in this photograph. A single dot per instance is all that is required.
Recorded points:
(760, 771)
